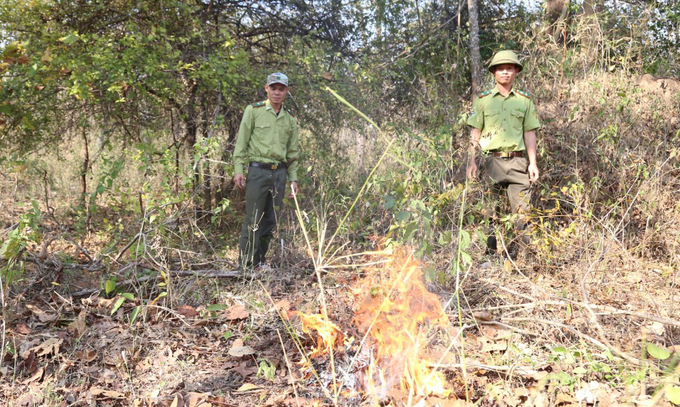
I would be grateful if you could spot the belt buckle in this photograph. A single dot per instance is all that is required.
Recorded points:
(274, 167)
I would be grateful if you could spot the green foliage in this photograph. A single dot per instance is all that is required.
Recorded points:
(266, 369)
(121, 299)
(658, 352)
(132, 69)
(109, 286)
(673, 394)
(14, 245)
(119, 302)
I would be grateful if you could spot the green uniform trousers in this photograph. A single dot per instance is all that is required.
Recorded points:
(510, 174)
(264, 195)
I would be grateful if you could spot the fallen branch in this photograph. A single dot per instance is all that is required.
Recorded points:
(521, 370)
(588, 338)
(509, 327)
(602, 310)
(134, 239)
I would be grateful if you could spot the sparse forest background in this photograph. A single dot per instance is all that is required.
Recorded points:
(117, 124)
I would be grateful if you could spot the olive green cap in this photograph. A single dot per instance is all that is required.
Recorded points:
(277, 77)
(505, 57)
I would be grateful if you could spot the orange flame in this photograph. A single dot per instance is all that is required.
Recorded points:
(329, 333)
(395, 313)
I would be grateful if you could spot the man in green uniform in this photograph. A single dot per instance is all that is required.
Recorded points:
(504, 124)
(268, 143)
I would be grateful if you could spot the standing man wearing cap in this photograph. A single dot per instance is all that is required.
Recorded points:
(504, 124)
(268, 144)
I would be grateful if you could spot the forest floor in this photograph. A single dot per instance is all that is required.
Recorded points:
(519, 334)
(154, 314)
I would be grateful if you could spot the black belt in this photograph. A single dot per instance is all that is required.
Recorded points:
(507, 154)
(267, 166)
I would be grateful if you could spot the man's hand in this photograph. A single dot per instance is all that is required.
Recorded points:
(530, 143)
(533, 172)
(240, 180)
(475, 134)
(293, 189)
(472, 169)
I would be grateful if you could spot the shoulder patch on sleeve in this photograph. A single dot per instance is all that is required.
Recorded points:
(485, 93)
(523, 93)
(258, 104)
(290, 111)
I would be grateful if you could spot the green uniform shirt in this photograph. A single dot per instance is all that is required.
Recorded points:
(267, 138)
(503, 120)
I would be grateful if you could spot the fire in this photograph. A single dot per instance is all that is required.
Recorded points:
(329, 333)
(396, 313)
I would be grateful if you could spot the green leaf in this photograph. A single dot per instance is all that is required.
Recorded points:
(110, 286)
(69, 39)
(161, 295)
(227, 335)
(467, 259)
(560, 349)
(403, 216)
(26, 121)
(580, 370)
(117, 304)
(129, 296)
(481, 235)
(673, 394)
(216, 307)
(410, 230)
(658, 352)
(445, 238)
(464, 239)
(134, 314)
(389, 202)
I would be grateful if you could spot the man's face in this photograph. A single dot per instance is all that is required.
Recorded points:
(505, 73)
(276, 92)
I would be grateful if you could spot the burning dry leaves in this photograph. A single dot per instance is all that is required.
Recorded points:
(384, 350)
(401, 350)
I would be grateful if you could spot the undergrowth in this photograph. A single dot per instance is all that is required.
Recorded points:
(596, 293)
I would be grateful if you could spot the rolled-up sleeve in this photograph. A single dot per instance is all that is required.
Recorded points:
(531, 121)
(476, 118)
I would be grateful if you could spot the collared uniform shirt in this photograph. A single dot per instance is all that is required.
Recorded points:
(267, 137)
(503, 120)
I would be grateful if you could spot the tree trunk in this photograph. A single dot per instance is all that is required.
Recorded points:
(83, 181)
(86, 166)
(207, 176)
(232, 120)
(590, 30)
(379, 15)
(590, 7)
(556, 17)
(475, 57)
(191, 132)
(191, 138)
